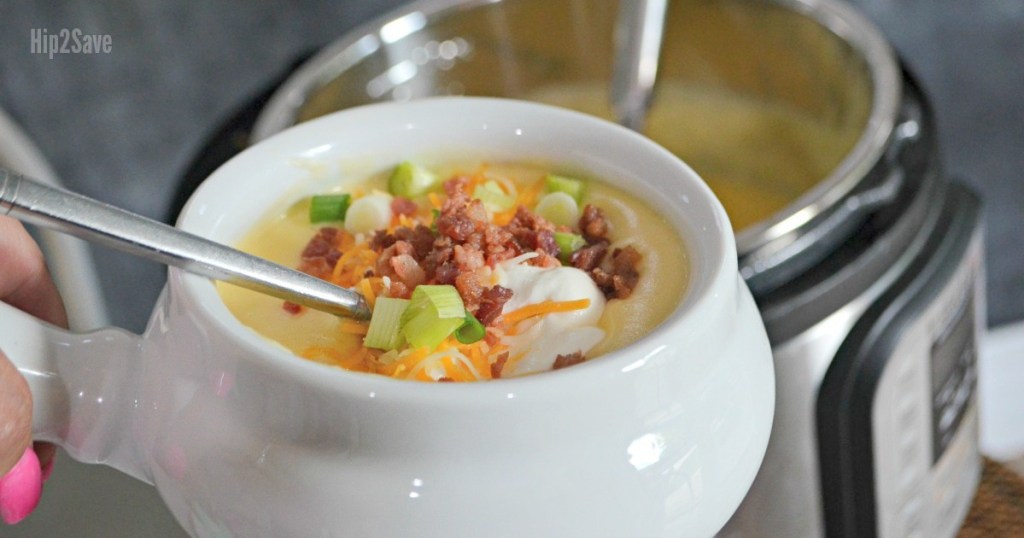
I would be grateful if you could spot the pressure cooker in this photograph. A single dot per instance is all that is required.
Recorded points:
(864, 258)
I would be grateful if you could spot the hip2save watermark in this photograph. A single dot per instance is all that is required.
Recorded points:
(69, 41)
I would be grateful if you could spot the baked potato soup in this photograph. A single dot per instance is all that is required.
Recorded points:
(473, 270)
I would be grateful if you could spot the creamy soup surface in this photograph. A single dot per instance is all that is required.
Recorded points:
(545, 305)
(757, 156)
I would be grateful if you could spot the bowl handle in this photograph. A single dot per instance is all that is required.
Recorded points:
(83, 388)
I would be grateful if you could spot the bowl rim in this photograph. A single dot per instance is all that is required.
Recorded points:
(200, 295)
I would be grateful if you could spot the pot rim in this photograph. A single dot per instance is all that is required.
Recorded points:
(886, 82)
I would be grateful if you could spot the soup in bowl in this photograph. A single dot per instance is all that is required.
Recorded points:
(533, 270)
(659, 436)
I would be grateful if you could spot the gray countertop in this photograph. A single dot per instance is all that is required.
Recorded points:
(122, 126)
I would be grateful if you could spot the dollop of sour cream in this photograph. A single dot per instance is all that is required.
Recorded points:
(540, 340)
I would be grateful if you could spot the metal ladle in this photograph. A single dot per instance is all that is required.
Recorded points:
(77, 215)
(638, 35)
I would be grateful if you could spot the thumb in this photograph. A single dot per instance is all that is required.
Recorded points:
(15, 415)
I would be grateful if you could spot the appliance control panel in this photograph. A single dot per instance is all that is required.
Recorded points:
(953, 376)
(925, 417)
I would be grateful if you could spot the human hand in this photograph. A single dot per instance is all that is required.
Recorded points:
(25, 283)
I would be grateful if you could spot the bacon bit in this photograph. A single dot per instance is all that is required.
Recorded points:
(565, 361)
(461, 216)
(542, 308)
(467, 259)
(492, 300)
(623, 276)
(421, 239)
(499, 365)
(545, 260)
(403, 206)
(445, 379)
(321, 243)
(399, 290)
(470, 290)
(593, 224)
(531, 232)
(410, 272)
(381, 240)
(498, 245)
(398, 263)
(292, 308)
(321, 253)
(446, 273)
(590, 256)
(546, 242)
(456, 185)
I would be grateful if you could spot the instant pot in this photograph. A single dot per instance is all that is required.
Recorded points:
(864, 258)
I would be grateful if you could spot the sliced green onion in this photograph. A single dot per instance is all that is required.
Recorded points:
(571, 186)
(369, 213)
(385, 323)
(559, 208)
(426, 330)
(409, 179)
(471, 330)
(435, 311)
(445, 299)
(493, 197)
(328, 207)
(568, 243)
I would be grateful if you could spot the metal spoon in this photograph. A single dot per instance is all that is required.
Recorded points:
(638, 34)
(83, 217)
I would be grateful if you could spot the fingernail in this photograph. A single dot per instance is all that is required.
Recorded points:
(21, 488)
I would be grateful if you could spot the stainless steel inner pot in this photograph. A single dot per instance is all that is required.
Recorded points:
(788, 108)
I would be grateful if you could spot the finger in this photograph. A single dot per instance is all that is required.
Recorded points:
(21, 488)
(25, 282)
(15, 415)
(47, 454)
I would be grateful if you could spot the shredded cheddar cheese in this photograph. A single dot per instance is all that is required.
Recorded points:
(540, 309)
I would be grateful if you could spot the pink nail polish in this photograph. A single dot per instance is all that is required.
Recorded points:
(21, 488)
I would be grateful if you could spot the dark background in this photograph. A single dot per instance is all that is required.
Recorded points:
(122, 127)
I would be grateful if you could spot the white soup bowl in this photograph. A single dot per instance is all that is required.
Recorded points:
(241, 438)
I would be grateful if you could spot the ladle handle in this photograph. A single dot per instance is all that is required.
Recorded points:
(638, 35)
(95, 221)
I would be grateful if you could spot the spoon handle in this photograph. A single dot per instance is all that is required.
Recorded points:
(638, 34)
(77, 215)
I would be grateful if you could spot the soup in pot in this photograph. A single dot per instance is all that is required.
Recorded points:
(760, 98)
(474, 271)
(756, 156)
